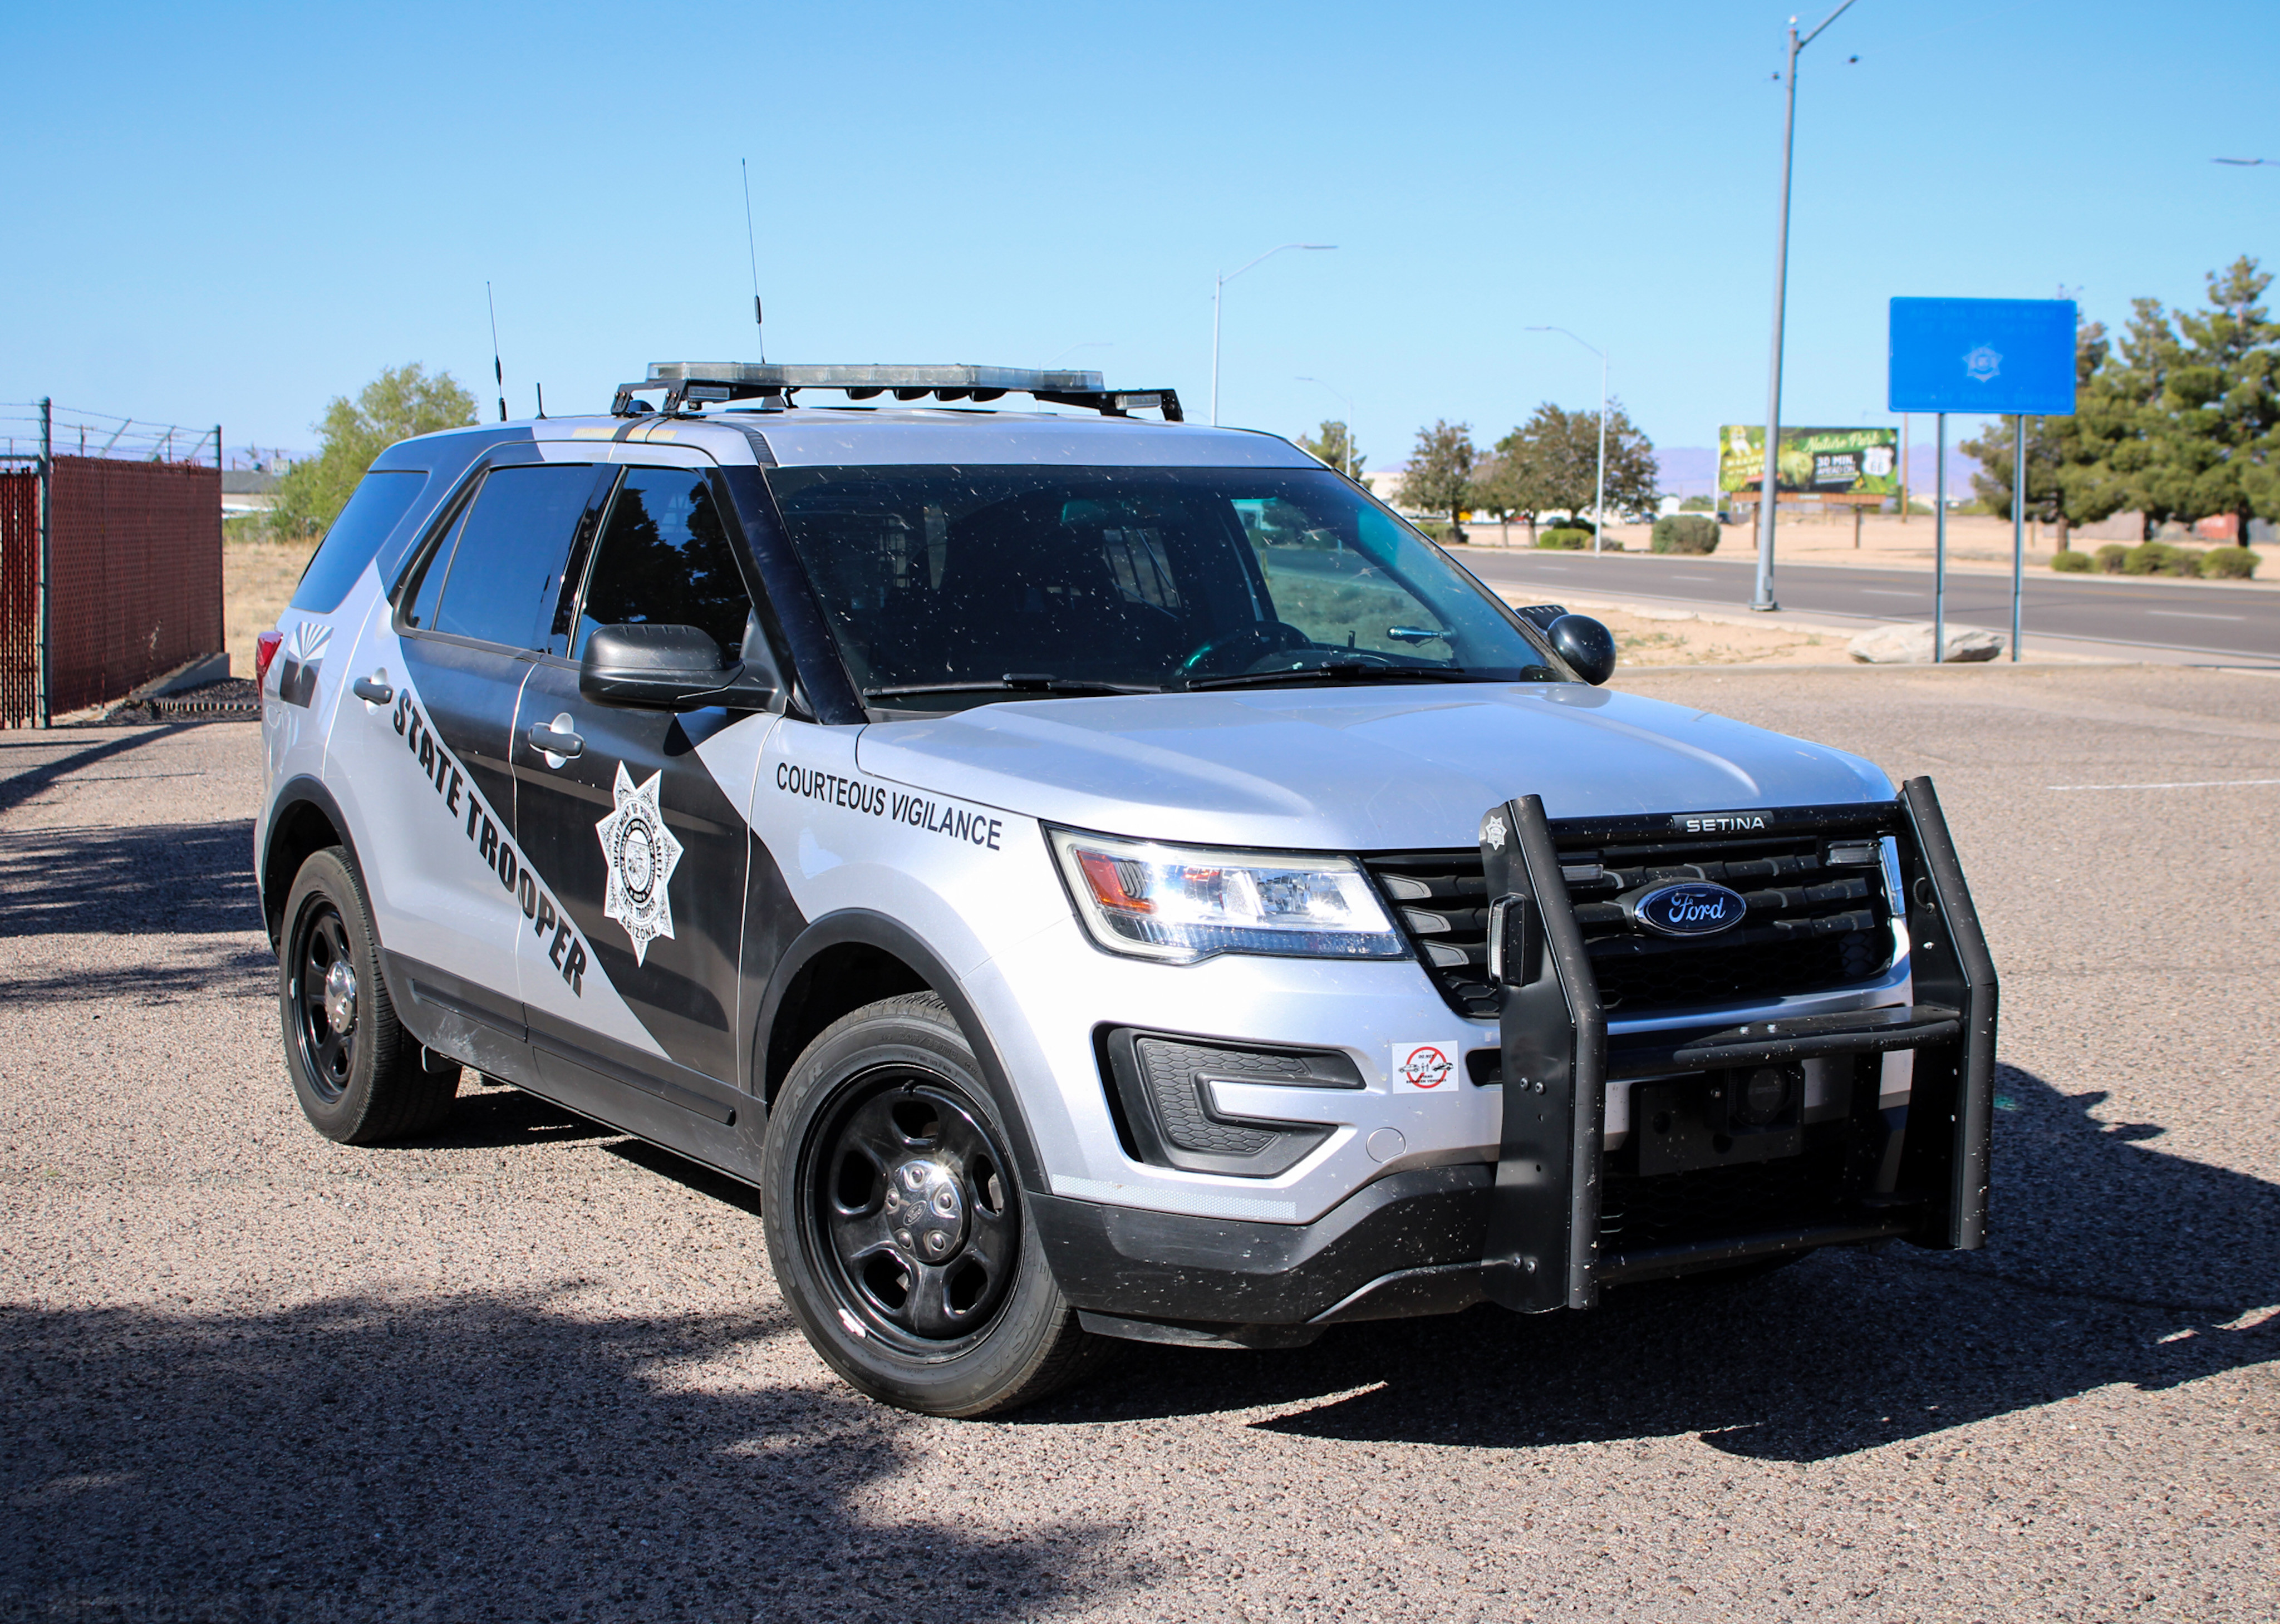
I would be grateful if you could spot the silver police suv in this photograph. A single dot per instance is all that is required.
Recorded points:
(1098, 877)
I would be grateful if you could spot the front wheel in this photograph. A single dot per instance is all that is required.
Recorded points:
(360, 1077)
(896, 1224)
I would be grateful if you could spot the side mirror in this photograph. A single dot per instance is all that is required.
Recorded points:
(664, 668)
(1585, 644)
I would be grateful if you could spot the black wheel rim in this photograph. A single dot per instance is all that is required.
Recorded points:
(911, 1212)
(324, 1023)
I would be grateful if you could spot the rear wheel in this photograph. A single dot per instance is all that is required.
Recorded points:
(360, 1077)
(896, 1224)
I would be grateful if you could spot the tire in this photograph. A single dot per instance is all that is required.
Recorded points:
(360, 1077)
(896, 1224)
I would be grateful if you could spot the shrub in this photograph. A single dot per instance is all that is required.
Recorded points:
(2110, 557)
(2227, 564)
(2071, 563)
(1566, 539)
(2145, 558)
(1697, 504)
(1689, 533)
(1437, 528)
(2182, 561)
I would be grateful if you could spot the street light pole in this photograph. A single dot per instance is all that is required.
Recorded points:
(1768, 484)
(1227, 276)
(1349, 469)
(1599, 495)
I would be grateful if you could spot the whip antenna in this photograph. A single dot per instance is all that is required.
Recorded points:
(753, 254)
(498, 371)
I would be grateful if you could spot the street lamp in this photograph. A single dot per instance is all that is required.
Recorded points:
(1227, 276)
(1767, 500)
(1600, 497)
(1349, 469)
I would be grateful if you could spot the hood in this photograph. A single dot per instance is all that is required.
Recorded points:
(1338, 770)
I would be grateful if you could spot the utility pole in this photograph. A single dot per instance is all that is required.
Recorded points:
(1767, 500)
(1220, 287)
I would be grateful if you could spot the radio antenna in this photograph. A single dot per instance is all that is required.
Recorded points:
(753, 254)
(498, 370)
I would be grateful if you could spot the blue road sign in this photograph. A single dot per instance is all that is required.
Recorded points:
(2002, 357)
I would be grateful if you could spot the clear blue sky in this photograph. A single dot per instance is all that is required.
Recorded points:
(235, 212)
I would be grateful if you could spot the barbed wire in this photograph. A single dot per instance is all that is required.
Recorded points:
(77, 432)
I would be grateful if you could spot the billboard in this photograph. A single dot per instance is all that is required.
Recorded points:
(1814, 462)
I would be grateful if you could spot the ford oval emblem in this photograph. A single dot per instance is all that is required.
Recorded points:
(1690, 908)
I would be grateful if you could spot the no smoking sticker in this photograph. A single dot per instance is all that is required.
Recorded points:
(1424, 1069)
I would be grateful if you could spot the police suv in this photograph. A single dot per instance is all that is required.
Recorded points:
(1098, 877)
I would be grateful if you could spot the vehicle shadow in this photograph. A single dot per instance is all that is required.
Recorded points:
(481, 1457)
(190, 879)
(2110, 1262)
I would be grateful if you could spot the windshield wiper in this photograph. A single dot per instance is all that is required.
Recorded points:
(1016, 681)
(1344, 671)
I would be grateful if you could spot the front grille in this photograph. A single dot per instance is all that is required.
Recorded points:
(1811, 926)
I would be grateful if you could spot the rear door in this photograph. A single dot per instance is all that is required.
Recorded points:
(431, 766)
(643, 833)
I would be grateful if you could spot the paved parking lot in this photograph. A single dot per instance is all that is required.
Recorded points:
(534, 1370)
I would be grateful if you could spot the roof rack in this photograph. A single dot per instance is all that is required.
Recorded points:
(701, 382)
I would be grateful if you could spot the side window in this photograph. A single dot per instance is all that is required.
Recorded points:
(506, 569)
(429, 585)
(373, 509)
(665, 559)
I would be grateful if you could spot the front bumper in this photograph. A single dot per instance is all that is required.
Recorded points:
(1559, 1216)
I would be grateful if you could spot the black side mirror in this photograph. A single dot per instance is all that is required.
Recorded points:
(665, 668)
(1585, 644)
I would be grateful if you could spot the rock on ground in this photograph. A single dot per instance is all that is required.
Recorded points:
(1910, 644)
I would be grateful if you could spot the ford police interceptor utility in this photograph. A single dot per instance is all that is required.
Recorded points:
(1097, 877)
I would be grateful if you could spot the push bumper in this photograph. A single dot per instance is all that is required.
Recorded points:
(1531, 1231)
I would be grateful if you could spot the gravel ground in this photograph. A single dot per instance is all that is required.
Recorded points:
(534, 1370)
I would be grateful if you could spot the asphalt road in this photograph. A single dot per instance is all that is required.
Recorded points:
(530, 1369)
(2235, 623)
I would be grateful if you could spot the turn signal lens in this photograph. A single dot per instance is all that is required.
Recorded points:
(1182, 903)
(265, 650)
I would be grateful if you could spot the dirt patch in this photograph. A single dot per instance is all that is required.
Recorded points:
(257, 578)
(1681, 637)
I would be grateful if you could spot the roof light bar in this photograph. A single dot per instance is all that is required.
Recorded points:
(685, 381)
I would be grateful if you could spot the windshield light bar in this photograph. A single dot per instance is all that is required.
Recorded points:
(684, 381)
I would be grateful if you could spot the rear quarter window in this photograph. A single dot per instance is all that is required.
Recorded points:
(374, 508)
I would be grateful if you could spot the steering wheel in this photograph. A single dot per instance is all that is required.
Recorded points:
(1270, 636)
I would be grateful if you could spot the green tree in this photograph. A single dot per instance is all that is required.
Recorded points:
(1334, 444)
(2068, 481)
(402, 402)
(1440, 474)
(1550, 464)
(2217, 431)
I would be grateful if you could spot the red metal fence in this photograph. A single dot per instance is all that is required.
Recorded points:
(134, 553)
(19, 594)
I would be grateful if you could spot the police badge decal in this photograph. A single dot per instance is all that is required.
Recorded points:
(640, 853)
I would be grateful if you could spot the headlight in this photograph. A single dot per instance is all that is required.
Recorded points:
(1185, 903)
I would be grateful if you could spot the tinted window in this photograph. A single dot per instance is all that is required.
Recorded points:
(506, 570)
(665, 559)
(373, 509)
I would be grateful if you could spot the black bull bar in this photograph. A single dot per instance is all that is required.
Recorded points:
(1544, 1246)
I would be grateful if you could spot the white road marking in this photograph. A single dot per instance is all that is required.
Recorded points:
(2203, 783)
(1694, 578)
(1886, 592)
(2188, 614)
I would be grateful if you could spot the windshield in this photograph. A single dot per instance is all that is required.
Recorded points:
(953, 585)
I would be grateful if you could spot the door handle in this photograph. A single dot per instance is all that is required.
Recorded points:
(552, 741)
(372, 692)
